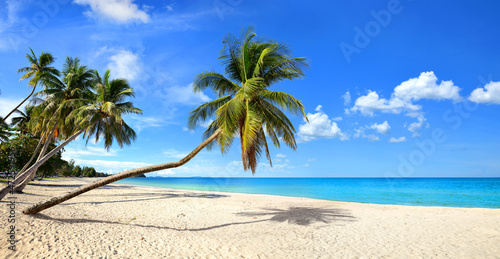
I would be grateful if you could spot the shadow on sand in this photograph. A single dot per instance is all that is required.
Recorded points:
(150, 196)
(303, 216)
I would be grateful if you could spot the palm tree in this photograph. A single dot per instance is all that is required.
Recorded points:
(101, 114)
(4, 131)
(245, 107)
(62, 96)
(37, 69)
(21, 121)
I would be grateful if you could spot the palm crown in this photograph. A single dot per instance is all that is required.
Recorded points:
(246, 107)
(103, 112)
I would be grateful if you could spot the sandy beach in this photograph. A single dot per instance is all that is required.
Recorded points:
(122, 221)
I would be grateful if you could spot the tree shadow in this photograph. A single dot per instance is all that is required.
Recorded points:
(82, 220)
(150, 196)
(303, 216)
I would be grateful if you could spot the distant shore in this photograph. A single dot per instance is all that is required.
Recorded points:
(125, 221)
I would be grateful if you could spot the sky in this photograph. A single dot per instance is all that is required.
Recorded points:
(394, 88)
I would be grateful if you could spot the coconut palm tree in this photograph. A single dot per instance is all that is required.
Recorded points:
(245, 107)
(62, 96)
(21, 121)
(101, 114)
(37, 69)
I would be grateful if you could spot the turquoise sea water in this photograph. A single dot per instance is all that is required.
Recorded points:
(450, 192)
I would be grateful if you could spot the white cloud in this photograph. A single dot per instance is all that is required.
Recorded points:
(371, 103)
(142, 122)
(125, 64)
(280, 155)
(372, 137)
(319, 126)
(6, 106)
(396, 140)
(74, 152)
(490, 94)
(110, 166)
(416, 127)
(426, 87)
(347, 98)
(205, 124)
(414, 89)
(382, 128)
(119, 11)
(172, 153)
(312, 160)
(183, 95)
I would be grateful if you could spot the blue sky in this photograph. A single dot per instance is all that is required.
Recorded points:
(395, 88)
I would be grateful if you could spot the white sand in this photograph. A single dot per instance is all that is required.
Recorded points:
(120, 221)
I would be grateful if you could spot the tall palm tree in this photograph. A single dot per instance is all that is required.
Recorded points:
(37, 69)
(245, 107)
(62, 96)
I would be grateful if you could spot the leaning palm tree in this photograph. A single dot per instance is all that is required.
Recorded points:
(245, 107)
(37, 69)
(101, 115)
(62, 96)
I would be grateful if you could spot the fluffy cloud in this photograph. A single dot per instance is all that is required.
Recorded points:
(319, 126)
(396, 140)
(347, 98)
(141, 122)
(125, 64)
(183, 95)
(371, 103)
(414, 89)
(426, 87)
(118, 11)
(79, 151)
(382, 128)
(490, 94)
(110, 166)
(280, 155)
(415, 127)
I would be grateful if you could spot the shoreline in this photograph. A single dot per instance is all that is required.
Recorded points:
(130, 221)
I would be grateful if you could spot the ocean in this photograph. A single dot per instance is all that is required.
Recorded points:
(447, 192)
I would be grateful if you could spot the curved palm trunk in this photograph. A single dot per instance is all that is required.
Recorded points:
(20, 187)
(35, 166)
(32, 156)
(96, 184)
(25, 99)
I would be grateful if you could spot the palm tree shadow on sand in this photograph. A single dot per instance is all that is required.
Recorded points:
(303, 216)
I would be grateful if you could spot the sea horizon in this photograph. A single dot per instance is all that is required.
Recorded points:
(467, 192)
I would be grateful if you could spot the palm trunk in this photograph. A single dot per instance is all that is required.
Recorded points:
(5, 118)
(113, 178)
(20, 187)
(18, 180)
(32, 156)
